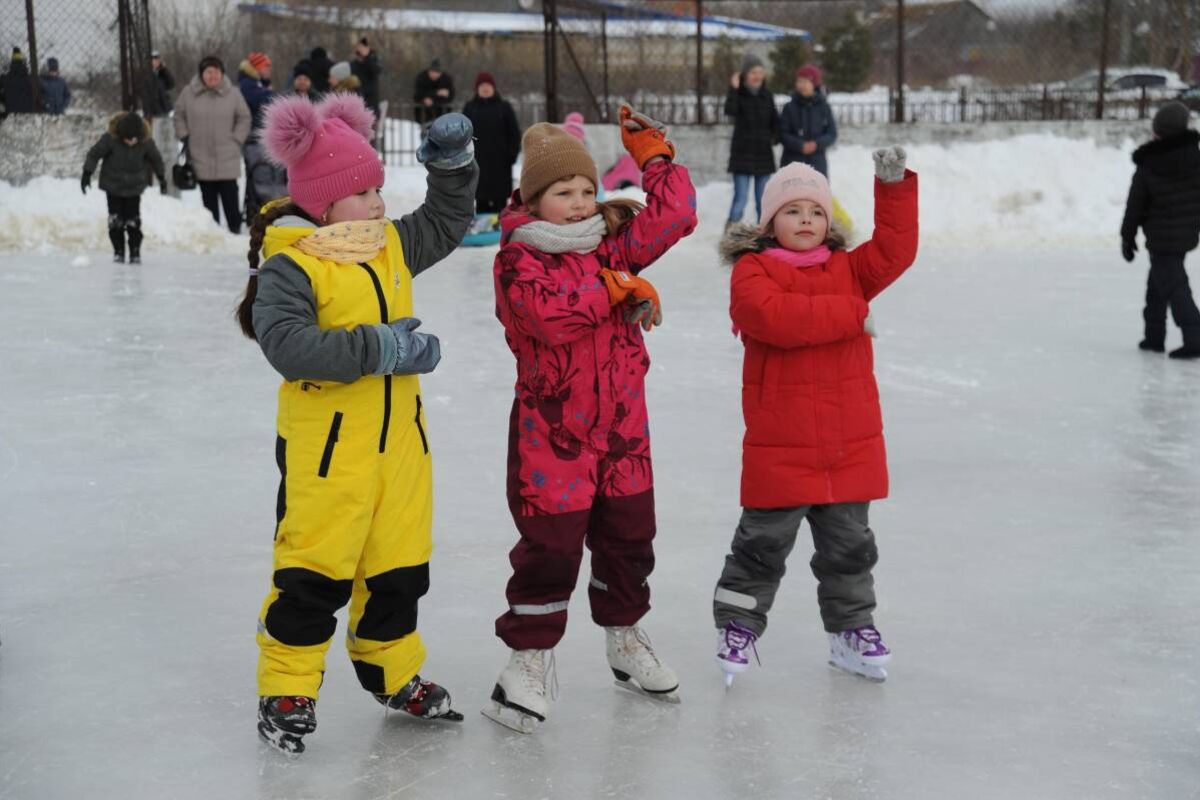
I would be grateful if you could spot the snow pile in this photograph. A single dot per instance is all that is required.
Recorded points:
(1040, 189)
(51, 215)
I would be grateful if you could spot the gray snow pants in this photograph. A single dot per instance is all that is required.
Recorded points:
(845, 554)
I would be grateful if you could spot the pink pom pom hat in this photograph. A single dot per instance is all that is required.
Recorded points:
(325, 148)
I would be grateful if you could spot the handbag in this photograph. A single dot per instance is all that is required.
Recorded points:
(183, 174)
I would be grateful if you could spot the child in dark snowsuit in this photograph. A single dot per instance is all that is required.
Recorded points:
(125, 150)
(1164, 201)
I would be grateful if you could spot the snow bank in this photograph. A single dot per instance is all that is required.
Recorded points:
(1042, 190)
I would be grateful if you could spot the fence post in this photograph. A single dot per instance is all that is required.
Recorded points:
(1045, 101)
(962, 104)
(1104, 26)
(1142, 104)
(33, 56)
(550, 54)
(604, 49)
(699, 62)
(899, 61)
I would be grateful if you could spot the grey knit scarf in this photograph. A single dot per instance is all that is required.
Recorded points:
(577, 237)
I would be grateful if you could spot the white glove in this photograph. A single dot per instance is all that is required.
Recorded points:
(869, 325)
(889, 163)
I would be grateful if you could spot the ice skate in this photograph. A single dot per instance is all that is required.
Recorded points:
(734, 645)
(861, 652)
(523, 691)
(118, 256)
(135, 256)
(283, 722)
(423, 699)
(637, 667)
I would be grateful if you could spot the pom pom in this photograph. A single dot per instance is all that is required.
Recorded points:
(290, 127)
(350, 109)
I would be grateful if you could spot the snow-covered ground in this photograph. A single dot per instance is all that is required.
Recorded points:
(1038, 553)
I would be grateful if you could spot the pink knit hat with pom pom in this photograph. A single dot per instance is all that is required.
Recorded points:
(573, 124)
(325, 148)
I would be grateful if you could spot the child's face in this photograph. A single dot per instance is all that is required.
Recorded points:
(800, 225)
(367, 204)
(755, 77)
(130, 142)
(805, 87)
(568, 201)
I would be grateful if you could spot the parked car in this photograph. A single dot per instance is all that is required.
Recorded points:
(1190, 97)
(1127, 79)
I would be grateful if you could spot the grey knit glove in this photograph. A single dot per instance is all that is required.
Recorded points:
(889, 163)
(403, 351)
(450, 143)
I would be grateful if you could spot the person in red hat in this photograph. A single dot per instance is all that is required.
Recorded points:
(498, 143)
(807, 127)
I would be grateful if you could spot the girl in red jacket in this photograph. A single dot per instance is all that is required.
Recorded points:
(814, 435)
(571, 301)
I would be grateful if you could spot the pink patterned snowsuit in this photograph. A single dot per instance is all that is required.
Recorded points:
(579, 439)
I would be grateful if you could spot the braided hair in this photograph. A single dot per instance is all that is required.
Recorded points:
(245, 309)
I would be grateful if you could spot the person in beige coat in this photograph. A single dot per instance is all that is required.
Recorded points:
(213, 121)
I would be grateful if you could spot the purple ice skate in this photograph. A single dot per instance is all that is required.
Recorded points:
(734, 644)
(860, 651)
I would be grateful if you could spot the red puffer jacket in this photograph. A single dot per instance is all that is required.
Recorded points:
(814, 432)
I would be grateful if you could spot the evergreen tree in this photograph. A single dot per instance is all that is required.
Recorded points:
(789, 54)
(848, 54)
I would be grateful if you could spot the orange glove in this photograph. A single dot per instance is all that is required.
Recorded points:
(644, 306)
(643, 137)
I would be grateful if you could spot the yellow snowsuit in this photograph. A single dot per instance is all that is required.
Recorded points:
(355, 502)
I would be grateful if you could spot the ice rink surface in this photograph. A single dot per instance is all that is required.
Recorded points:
(1037, 582)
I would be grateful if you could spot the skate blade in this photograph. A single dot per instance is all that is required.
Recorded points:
(289, 744)
(671, 697)
(510, 718)
(871, 673)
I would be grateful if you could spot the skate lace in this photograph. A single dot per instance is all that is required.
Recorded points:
(740, 638)
(869, 635)
(544, 678)
(645, 653)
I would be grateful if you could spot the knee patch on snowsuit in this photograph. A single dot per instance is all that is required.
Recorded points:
(302, 613)
(850, 562)
(115, 223)
(391, 610)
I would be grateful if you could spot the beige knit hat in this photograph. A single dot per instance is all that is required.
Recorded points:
(552, 154)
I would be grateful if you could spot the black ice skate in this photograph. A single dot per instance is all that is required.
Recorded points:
(423, 699)
(284, 721)
(118, 256)
(135, 256)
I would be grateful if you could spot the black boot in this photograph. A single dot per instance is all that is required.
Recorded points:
(424, 699)
(1151, 346)
(134, 228)
(284, 721)
(116, 235)
(1187, 351)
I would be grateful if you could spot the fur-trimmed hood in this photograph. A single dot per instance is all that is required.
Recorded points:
(743, 238)
(117, 117)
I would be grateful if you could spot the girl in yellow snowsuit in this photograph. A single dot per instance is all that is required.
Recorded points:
(331, 307)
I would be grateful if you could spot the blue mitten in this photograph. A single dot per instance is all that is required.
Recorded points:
(410, 353)
(449, 144)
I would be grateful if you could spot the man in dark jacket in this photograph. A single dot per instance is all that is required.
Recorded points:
(497, 144)
(806, 127)
(755, 128)
(433, 91)
(56, 96)
(16, 85)
(321, 64)
(366, 68)
(126, 150)
(1164, 200)
(158, 102)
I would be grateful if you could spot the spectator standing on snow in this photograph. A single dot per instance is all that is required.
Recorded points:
(16, 85)
(755, 128)
(321, 65)
(254, 81)
(1164, 201)
(56, 95)
(433, 92)
(302, 80)
(807, 127)
(159, 104)
(366, 68)
(497, 144)
(127, 155)
(343, 79)
(213, 121)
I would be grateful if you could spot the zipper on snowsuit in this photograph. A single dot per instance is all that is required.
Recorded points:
(387, 379)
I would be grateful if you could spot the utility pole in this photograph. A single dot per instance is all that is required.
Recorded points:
(1104, 26)
(550, 49)
(899, 113)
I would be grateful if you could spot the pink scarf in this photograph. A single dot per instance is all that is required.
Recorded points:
(796, 258)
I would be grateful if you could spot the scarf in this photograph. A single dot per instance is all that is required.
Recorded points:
(800, 258)
(346, 242)
(578, 237)
(795, 258)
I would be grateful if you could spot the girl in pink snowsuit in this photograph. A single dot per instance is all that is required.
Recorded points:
(570, 299)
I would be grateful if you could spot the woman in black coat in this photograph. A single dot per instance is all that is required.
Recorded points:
(755, 129)
(497, 144)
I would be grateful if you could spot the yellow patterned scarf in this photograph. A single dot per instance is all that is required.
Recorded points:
(346, 242)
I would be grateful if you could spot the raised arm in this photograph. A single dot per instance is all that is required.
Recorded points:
(763, 310)
(893, 245)
(535, 302)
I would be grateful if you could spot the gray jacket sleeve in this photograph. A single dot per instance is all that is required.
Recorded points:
(433, 230)
(285, 322)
